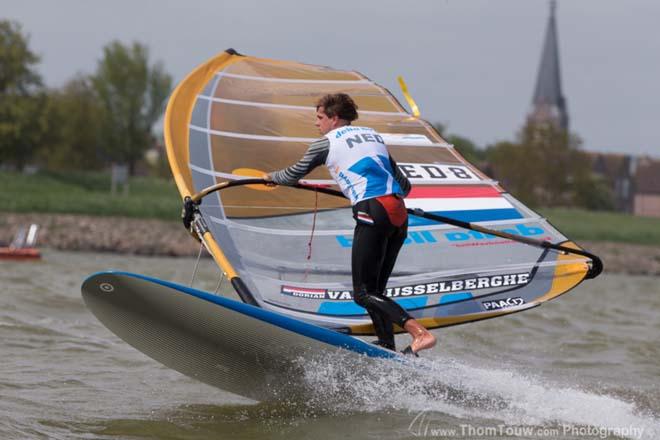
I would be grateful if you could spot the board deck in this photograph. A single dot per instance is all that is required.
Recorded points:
(234, 346)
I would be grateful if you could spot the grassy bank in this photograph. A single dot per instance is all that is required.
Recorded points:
(89, 193)
(604, 226)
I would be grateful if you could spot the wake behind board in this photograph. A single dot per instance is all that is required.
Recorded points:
(234, 346)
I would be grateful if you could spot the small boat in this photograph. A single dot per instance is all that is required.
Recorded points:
(22, 246)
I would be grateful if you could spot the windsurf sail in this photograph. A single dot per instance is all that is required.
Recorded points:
(236, 116)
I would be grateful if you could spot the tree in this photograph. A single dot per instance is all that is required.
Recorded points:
(509, 163)
(74, 115)
(544, 168)
(132, 94)
(17, 74)
(595, 193)
(468, 149)
(22, 116)
(441, 128)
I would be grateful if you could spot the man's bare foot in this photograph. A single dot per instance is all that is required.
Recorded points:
(422, 338)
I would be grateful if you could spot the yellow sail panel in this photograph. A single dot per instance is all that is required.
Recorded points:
(259, 67)
(267, 120)
(177, 118)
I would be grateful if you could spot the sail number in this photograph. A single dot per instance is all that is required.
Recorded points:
(433, 172)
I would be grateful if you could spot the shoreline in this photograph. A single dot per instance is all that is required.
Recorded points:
(148, 237)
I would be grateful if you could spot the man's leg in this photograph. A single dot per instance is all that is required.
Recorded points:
(394, 244)
(383, 328)
(370, 245)
(422, 338)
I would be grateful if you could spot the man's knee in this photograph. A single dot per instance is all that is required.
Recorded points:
(360, 297)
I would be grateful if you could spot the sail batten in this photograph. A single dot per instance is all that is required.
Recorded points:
(290, 107)
(293, 80)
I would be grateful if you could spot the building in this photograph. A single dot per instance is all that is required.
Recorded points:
(635, 181)
(647, 187)
(618, 172)
(548, 103)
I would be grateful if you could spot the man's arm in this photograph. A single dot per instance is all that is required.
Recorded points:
(400, 178)
(316, 155)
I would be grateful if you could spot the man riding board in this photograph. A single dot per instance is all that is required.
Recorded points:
(360, 163)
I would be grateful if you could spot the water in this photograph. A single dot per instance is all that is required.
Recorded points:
(583, 366)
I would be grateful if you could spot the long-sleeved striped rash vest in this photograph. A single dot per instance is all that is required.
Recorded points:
(316, 155)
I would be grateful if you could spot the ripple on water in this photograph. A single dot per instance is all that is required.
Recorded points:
(577, 360)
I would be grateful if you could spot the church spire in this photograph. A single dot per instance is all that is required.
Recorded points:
(548, 104)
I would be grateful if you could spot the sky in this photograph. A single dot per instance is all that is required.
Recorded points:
(469, 64)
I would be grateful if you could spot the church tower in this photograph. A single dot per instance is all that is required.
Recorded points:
(548, 104)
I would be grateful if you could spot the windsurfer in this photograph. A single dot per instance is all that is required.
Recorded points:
(360, 163)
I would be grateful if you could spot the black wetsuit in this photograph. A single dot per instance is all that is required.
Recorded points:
(379, 234)
(375, 249)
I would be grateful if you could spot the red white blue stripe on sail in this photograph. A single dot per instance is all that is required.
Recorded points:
(466, 203)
